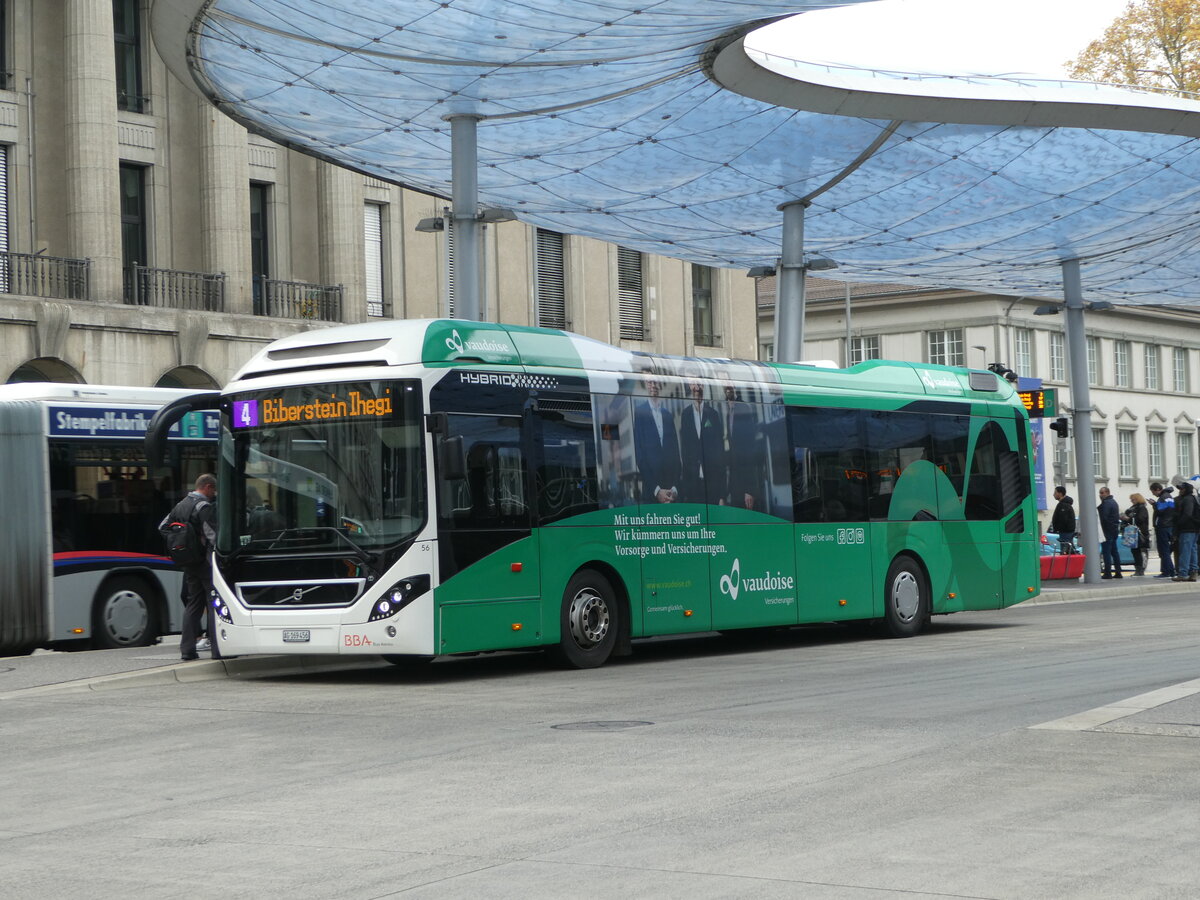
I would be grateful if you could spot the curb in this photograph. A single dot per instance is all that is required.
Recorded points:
(192, 672)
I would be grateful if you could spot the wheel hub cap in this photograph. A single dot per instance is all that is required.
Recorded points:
(906, 596)
(588, 618)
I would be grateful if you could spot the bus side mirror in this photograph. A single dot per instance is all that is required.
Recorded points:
(452, 461)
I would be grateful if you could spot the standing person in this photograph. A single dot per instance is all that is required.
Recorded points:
(1186, 527)
(1164, 527)
(1138, 515)
(1062, 522)
(701, 449)
(199, 510)
(656, 446)
(1110, 527)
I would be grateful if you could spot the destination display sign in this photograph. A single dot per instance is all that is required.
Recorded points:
(328, 403)
(1040, 403)
(126, 423)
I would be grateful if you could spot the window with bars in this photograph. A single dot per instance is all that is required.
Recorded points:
(1155, 454)
(863, 348)
(1121, 363)
(1179, 369)
(1150, 357)
(4, 273)
(1058, 357)
(550, 283)
(704, 331)
(946, 347)
(373, 219)
(127, 34)
(1098, 452)
(631, 298)
(1183, 455)
(1093, 360)
(1126, 457)
(1023, 351)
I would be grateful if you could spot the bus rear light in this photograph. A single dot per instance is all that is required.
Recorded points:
(516, 567)
(398, 596)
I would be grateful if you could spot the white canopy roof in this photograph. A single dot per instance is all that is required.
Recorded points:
(657, 125)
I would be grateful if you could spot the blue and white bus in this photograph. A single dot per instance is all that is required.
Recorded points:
(81, 560)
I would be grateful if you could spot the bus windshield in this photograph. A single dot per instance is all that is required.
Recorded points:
(322, 467)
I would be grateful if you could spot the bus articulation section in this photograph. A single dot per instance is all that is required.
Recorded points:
(426, 487)
(82, 560)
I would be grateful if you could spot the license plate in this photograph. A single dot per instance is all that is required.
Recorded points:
(297, 637)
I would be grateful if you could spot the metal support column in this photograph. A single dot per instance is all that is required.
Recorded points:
(464, 214)
(1081, 424)
(789, 292)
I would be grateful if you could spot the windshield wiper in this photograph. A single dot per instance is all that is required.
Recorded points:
(299, 535)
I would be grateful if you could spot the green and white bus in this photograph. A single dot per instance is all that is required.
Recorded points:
(426, 487)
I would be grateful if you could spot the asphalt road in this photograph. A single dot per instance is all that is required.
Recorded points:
(1004, 754)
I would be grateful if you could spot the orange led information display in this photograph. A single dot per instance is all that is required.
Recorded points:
(354, 406)
(1039, 403)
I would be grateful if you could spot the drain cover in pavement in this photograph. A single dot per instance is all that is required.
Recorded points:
(599, 726)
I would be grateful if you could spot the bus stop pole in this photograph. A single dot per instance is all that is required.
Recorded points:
(789, 295)
(464, 216)
(1081, 401)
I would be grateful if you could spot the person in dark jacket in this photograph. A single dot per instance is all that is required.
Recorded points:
(1062, 522)
(1186, 527)
(1138, 515)
(198, 508)
(1164, 527)
(1110, 528)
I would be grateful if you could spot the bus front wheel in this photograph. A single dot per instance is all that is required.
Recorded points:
(588, 621)
(124, 615)
(906, 598)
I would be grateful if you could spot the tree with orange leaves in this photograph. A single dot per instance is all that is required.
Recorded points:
(1153, 43)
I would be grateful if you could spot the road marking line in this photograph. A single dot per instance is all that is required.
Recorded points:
(1102, 715)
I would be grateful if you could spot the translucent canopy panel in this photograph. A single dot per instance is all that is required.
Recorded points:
(676, 127)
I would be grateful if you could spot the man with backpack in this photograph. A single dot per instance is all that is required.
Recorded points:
(190, 530)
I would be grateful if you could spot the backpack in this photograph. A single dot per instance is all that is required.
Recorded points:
(182, 534)
(1131, 536)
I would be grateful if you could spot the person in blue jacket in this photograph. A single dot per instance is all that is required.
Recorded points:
(1110, 528)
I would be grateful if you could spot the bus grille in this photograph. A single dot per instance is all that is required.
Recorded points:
(271, 595)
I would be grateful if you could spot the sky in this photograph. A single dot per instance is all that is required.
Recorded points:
(993, 37)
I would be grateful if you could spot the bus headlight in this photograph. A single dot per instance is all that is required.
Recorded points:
(220, 608)
(398, 596)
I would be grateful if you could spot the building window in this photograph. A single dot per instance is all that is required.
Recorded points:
(5, 75)
(551, 281)
(1063, 459)
(1121, 363)
(1098, 452)
(704, 331)
(1126, 459)
(1155, 454)
(4, 272)
(260, 242)
(1093, 360)
(127, 33)
(864, 348)
(1179, 369)
(1023, 351)
(946, 347)
(1150, 355)
(373, 256)
(631, 300)
(133, 215)
(1183, 455)
(766, 352)
(1058, 357)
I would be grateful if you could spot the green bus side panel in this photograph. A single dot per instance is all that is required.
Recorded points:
(752, 575)
(478, 606)
(675, 580)
(833, 571)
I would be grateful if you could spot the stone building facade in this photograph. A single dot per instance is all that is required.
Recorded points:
(148, 239)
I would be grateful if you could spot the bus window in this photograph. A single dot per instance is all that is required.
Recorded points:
(983, 500)
(565, 463)
(829, 460)
(614, 439)
(493, 493)
(894, 441)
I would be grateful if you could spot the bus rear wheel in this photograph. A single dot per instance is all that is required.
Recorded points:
(123, 615)
(906, 598)
(588, 621)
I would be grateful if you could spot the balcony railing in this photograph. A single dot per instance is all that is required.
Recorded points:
(146, 286)
(54, 277)
(297, 300)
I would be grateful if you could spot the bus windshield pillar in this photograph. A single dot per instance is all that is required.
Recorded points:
(1081, 400)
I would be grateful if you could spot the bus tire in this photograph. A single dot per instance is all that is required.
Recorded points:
(124, 614)
(588, 621)
(905, 598)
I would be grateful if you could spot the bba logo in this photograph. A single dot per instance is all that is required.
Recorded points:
(733, 583)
